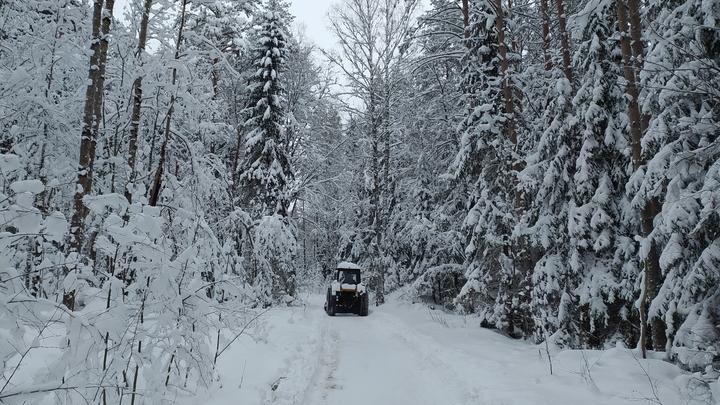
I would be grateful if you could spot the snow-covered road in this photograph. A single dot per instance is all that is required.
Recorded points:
(407, 354)
(371, 361)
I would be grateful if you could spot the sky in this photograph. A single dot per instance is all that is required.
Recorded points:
(310, 14)
(313, 15)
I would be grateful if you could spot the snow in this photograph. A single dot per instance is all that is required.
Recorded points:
(348, 265)
(100, 203)
(56, 226)
(28, 186)
(405, 353)
(9, 163)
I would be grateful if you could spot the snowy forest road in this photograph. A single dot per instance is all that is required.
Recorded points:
(374, 360)
(412, 354)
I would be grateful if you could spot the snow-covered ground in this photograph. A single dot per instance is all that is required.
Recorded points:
(409, 354)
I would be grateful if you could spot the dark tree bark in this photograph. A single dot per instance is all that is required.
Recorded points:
(517, 252)
(466, 17)
(509, 102)
(564, 40)
(545, 11)
(507, 89)
(633, 53)
(137, 100)
(157, 180)
(91, 126)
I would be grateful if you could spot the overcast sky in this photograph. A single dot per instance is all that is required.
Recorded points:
(313, 14)
(310, 13)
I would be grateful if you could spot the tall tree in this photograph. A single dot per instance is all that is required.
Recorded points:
(550, 157)
(265, 173)
(630, 26)
(681, 147)
(431, 205)
(137, 98)
(93, 114)
(584, 284)
(486, 159)
(373, 36)
(168, 119)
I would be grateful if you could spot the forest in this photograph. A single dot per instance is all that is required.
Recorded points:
(174, 168)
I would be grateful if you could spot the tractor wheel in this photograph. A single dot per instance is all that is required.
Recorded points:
(364, 303)
(330, 305)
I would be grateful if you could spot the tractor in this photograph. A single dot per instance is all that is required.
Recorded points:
(347, 293)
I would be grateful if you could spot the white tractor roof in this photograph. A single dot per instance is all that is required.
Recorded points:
(348, 266)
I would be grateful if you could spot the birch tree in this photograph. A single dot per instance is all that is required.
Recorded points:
(373, 36)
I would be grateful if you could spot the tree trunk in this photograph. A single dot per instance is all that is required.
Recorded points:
(545, 11)
(157, 181)
(137, 100)
(466, 17)
(509, 103)
(633, 53)
(215, 84)
(564, 40)
(507, 90)
(91, 126)
(654, 277)
(518, 252)
(376, 249)
(236, 158)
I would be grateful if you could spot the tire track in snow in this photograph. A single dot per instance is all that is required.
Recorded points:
(330, 364)
(322, 379)
(430, 355)
(434, 353)
(374, 360)
(293, 380)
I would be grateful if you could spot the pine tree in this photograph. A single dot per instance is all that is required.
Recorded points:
(630, 28)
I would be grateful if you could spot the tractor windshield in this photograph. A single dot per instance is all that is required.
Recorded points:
(348, 276)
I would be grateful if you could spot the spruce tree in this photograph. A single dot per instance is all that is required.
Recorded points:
(265, 173)
(682, 148)
(548, 184)
(430, 239)
(485, 160)
(601, 222)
